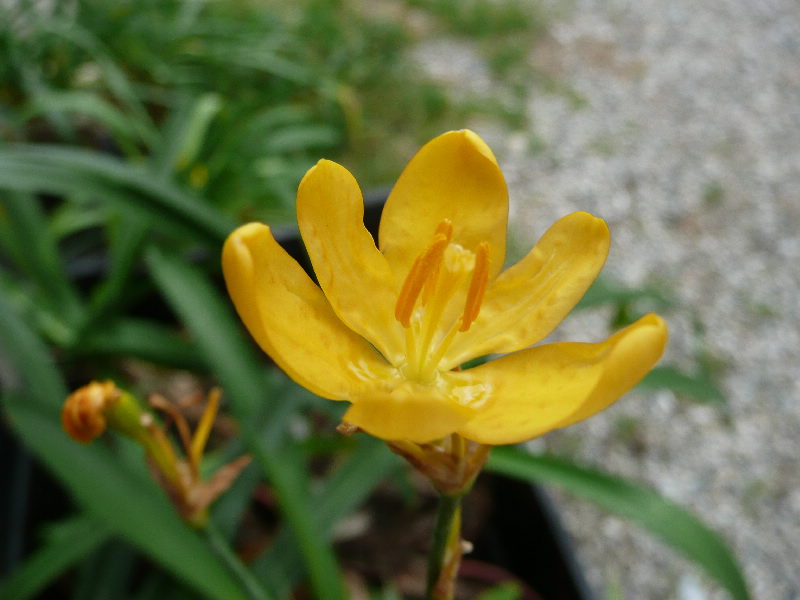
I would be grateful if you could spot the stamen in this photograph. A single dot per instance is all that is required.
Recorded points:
(477, 287)
(425, 266)
(444, 228)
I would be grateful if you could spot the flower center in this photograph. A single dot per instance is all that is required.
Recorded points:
(435, 302)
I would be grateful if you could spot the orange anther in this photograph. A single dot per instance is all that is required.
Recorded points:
(477, 287)
(444, 228)
(425, 266)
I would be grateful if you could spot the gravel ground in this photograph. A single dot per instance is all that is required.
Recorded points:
(688, 144)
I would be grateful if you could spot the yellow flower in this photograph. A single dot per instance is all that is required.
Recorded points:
(388, 327)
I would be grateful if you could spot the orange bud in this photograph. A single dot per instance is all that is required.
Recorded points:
(84, 414)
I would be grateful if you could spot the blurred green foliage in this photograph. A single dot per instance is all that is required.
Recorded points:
(232, 100)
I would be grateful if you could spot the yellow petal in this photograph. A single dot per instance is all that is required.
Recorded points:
(528, 300)
(632, 358)
(555, 385)
(409, 411)
(291, 320)
(454, 176)
(352, 272)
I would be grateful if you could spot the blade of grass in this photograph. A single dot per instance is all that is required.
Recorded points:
(126, 240)
(37, 253)
(27, 361)
(65, 181)
(114, 76)
(699, 385)
(66, 543)
(216, 331)
(85, 188)
(220, 545)
(185, 131)
(214, 328)
(606, 291)
(126, 131)
(107, 572)
(126, 501)
(138, 513)
(139, 338)
(344, 490)
(60, 170)
(502, 591)
(351, 482)
(664, 519)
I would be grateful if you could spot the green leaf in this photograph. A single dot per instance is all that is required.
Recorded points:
(666, 520)
(54, 28)
(286, 469)
(68, 218)
(62, 170)
(128, 503)
(700, 385)
(127, 131)
(255, 588)
(214, 327)
(36, 253)
(107, 573)
(605, 291)
(28, 363)
(360, 472)
(296, 138)
(345, 489)
(126, 500)
(66, 543)
(140, 339)
(186, 132)
(125, 244)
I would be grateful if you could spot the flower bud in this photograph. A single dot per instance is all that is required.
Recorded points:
(84, 414)
(89, 410)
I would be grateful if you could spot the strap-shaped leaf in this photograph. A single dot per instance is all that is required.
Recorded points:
(67, 543)
(667, 521)
(139, 338)
(121, 497)
(62, 170)
(218, 335)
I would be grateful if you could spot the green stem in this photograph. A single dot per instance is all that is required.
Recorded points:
(445, 551)
(252, 586)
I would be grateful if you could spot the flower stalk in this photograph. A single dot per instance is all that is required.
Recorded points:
(446, 550)
(451, 465)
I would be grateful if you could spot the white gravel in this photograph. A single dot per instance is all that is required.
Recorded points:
(688, 144)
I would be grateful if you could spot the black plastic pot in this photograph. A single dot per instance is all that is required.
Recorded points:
(525, 536)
